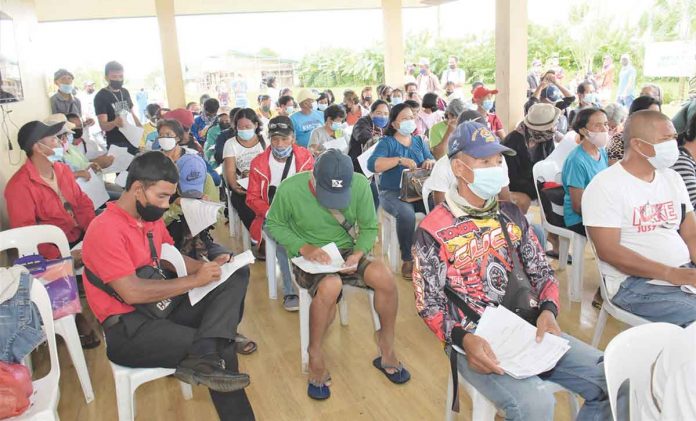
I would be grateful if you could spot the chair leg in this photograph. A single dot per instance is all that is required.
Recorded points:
(343, 310)
(305, 301)
(449, 414)
(186, 390)
(271, 270)
(125, 398)
(599, 328)
(394, 255)
(375, 316)
(563, 248)
(575, 285)
(67, 329)
(246, 240)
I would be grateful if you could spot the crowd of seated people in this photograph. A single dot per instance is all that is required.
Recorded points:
(290, 181)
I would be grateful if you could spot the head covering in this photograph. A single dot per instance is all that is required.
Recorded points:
(542, 117)
(280, 126)
(475, 140)
(333, 175)
(60, 118)
(424, 62)
(182, 115)
(481, 92)
(305, 94)
(455, 107)
(471, 115)
(192, 173)
(60, 73)
(34, 131)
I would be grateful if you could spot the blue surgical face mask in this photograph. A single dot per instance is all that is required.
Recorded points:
(591, 98)
(380, 121)
(336, 126)
(488, 181)
(65, 88)
(289, 110)
(406, 127)
(57, 153)
(396, 100)
(487, 104)
(246, 134)
(281, 153)
(322, 107)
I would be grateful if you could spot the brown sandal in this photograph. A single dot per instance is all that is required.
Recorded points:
(244, 345)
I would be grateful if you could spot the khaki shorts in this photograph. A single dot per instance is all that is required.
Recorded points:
(310, 281)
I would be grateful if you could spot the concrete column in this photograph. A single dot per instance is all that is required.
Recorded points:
(393, 43)
(510, 60)
(174, 79)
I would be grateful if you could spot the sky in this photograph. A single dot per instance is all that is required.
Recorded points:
(135, 42)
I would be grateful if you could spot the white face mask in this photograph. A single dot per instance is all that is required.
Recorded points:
(666, 154)
(167, 143)
(599, 139)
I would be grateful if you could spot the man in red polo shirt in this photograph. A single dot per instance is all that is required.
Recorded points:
(483, 98)
(196, 340)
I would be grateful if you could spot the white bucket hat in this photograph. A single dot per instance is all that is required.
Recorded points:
(542, 117)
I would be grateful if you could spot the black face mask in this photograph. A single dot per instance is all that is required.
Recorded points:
(77, 133)
(115, 84)
(224, 126)
(148, 212)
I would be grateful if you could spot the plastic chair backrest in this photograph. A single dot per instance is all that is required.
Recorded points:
(602, 284)
(540, 171)
(426, 203)
(173, 256)
(27, 239)
(630, 355)
(39, 296)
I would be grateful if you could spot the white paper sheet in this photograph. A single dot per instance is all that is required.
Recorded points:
(132, 132)
(336, 265)
(364, 157)
(122, 159)
(121, 179)
(239, 261)
(94, 150)
(341, 144)
(200, 214)
(689, 289)
(244, 182)
(94, 188)
(514, 344)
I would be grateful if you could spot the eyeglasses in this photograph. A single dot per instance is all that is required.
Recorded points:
(273, 126)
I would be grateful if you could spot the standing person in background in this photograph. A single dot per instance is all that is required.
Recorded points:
(86, 98)
(627, 82)
(272, 89)
(426, 80)
(455, 75)
(307, 119)
(606, 79)
(113, 104)
(141, 98)
(63, 101)
(408, 74)
(650, 89)
(534, 77)
(240, 91)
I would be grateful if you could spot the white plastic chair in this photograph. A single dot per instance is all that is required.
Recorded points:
(306, 301)
(629, 356)
(426, 195)
(271, 266)
(44, 401)
(485, 410)
(128, 379)
(608, 308)
(237, 228)
(540, 172)
(390, 239)
(26, 241)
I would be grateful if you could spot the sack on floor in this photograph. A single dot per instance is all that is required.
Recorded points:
(59, 279)
(15, 389)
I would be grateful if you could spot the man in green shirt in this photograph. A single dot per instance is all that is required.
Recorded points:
(333, 204)
(440, 132)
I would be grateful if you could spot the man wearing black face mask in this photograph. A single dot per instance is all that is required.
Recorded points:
(199, 341)
(112, 106)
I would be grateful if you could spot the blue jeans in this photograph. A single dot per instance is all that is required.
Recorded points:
(581, 370)
(20, 323)
(282, 256)
(656, 303)
(405, 214)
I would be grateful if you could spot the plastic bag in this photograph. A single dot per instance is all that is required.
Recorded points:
(59, 279)
(15, 389)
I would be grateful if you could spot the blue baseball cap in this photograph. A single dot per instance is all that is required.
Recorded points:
(192, 173)
(551, 93)
(474, 139)
(333, 175)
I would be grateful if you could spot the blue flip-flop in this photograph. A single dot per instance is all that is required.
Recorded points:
(318, 391)
(400, 376)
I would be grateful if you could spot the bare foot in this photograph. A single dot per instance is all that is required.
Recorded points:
(388, 355)
(317, 369)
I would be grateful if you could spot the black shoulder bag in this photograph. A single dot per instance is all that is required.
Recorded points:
(158, 310)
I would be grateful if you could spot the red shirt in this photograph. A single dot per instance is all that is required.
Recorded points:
(30, 201)
(494, 123)
(115, 246)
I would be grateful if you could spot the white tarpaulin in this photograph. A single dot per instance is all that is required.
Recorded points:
(670, 59)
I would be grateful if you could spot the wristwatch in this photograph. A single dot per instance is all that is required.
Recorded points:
(399, 162)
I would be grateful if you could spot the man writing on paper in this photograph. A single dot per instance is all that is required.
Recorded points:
(332, 204)
(196, 340)
(460, 249)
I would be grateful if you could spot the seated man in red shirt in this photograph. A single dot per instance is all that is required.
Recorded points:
(44, 192)
(196, 340)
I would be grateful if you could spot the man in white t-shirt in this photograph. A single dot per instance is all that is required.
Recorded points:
(641, 221)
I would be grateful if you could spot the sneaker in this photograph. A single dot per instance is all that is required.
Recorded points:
(407, 271)
(209, 370)
(291, 302)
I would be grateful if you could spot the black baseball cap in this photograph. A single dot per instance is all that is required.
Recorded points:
(281, 126)
(34, 131)
(333, 175)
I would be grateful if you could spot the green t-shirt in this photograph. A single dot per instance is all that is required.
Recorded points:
(437, 132)
(296, 218)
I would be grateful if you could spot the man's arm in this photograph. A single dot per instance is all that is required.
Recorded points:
(106, 125)
(192, 265)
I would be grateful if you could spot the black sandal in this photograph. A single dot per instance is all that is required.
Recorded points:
(90, 340)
